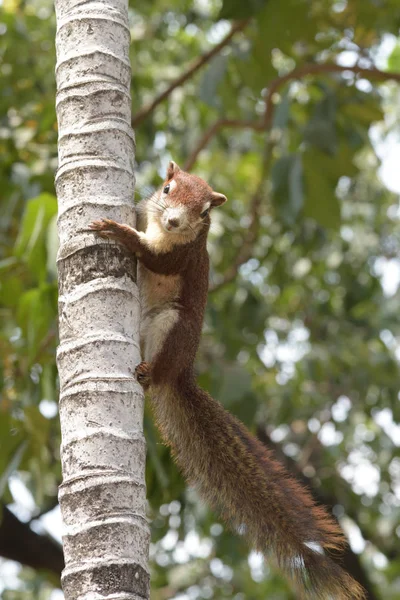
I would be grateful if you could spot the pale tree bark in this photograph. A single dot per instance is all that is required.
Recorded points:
(102, 497)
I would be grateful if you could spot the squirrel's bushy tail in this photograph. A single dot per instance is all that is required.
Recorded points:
(239, 477)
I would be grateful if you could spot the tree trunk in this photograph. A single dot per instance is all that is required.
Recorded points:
(102, 496)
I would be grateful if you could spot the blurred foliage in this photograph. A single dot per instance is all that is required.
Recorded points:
(304, 342)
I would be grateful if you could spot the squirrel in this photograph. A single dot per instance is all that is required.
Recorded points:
(234, 472)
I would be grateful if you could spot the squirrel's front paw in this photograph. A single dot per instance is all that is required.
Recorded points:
(124, 234)
(143, 374)
(106, 228)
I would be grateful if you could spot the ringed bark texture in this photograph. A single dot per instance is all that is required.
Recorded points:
(102, 497)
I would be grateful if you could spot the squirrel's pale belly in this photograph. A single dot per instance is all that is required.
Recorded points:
(159, 298)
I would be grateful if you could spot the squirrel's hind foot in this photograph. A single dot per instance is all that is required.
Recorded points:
(143, 374)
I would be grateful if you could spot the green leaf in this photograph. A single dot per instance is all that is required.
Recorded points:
(236, 381)
(254, 72)
(282, 24)
(321, 203)
(12, 466)
(237, 9)
(52, 247)
(153, 455)
(35, 316)
(11, 289)
(281, 112)
(211, 80)
(37, 424)
(12, 445)
(31, 242)
(321, 128)
(287, 187)
(365, 110)
(393, 62)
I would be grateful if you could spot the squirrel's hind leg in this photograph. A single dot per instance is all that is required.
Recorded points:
(177, 353)
(170, 345)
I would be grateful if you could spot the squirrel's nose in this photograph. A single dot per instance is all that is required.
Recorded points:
(173, 222)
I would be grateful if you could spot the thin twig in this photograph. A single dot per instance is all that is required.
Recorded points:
(192, 69)
(264, 124)
(213, 130)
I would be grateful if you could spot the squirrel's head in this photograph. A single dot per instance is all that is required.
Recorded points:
(184, 202)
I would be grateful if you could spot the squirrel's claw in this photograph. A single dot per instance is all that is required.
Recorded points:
(106, 228)
(102, 224)
(143, 374)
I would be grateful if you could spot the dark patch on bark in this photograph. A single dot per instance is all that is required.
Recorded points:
(92, 262)
(108, 579)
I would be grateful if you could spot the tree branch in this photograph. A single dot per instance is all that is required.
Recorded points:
(18, 542)
(213, 130)
(264, 124)
(192, 69)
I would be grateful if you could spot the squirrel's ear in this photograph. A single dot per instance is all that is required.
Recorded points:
(172, 169)
(218, 199)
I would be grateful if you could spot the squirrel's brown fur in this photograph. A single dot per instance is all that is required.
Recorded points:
(233, 471)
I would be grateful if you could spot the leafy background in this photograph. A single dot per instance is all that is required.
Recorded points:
(301, 338)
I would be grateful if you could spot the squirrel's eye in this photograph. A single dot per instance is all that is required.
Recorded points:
(205, 213)
(166, 189)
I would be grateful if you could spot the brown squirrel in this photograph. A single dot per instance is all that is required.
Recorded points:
(233, 471)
